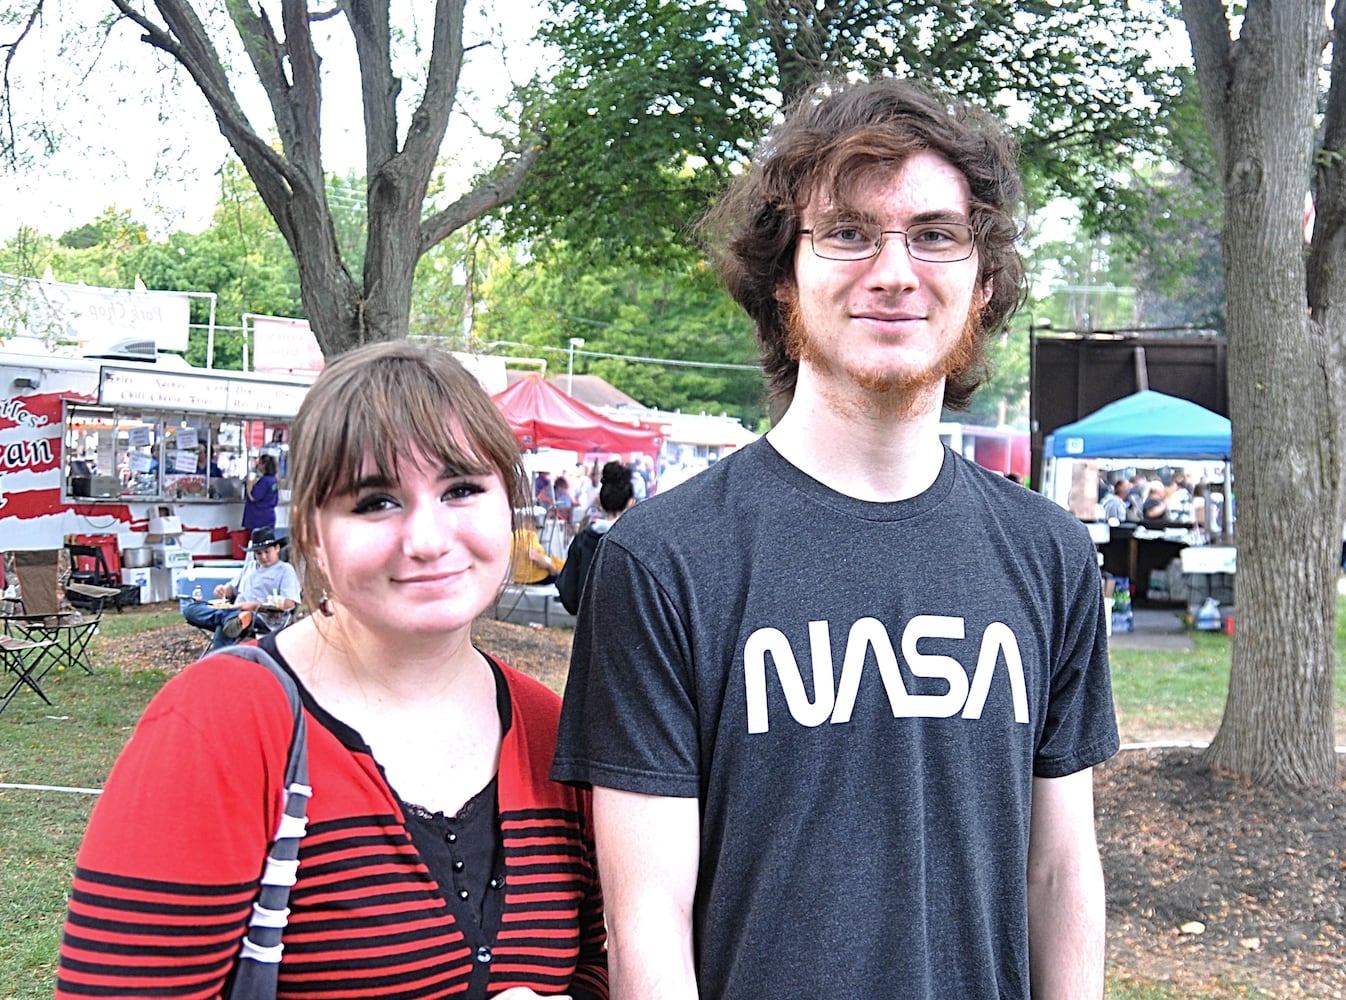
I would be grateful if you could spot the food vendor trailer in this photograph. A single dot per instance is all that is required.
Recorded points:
(152, 452)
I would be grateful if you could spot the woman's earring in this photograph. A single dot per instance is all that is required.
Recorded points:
(325, 605)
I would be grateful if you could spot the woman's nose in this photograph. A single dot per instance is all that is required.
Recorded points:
(428, 528)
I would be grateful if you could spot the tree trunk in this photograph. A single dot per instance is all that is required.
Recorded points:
(1259, 97)
(291, 181)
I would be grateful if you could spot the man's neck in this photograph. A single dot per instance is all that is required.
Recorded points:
(866, 451)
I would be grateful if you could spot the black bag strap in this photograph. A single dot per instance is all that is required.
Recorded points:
(258, 968)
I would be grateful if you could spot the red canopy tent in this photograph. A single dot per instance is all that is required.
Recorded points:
(542, 416)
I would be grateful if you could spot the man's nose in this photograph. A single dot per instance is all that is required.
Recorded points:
(893, 264)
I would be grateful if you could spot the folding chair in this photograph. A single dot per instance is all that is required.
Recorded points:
(264, 621)
(90, 583)
(21, 657)
(66, 634)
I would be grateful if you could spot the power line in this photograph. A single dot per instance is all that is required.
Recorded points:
(672, 362)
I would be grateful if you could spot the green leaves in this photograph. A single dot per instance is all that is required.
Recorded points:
(655, 104)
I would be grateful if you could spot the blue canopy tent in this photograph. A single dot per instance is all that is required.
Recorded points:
(1147, 424)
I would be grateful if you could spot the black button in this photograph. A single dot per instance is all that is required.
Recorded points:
(497, 882)
(483, 954)
(451, 837)
(462, 894)
(457, 866)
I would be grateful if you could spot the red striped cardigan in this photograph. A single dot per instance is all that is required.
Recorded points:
(168, 869)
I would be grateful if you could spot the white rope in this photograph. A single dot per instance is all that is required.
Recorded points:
(51, 788)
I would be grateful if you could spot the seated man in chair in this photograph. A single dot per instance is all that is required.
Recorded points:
(262, 587)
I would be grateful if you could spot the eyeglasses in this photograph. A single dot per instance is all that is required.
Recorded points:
(935, 242)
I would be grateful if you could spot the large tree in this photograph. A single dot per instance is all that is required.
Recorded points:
(285, 158)
(1276, 134)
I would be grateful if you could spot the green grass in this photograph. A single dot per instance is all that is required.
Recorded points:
(1185, 692)
(76, 742)
(39, 834)
(1156, 991)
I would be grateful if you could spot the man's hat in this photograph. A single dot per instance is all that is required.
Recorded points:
(262, 538)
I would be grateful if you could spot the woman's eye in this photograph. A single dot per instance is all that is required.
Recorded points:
(463, 490)
(373, 503)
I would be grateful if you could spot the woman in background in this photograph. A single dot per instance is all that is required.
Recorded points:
(259, 502)
(615, 495)
(439, 859)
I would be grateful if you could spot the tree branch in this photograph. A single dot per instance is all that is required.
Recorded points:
(186, 40)
(1327, 263)
(488, 195)
(10, 147)
(1212, 53)
(378, 87)
(430, 120)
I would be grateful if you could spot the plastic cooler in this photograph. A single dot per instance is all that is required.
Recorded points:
(207, 577)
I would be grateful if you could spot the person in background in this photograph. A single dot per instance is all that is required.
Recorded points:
(210, 470)
(563, 505)
(268, 581)
(530, 564)
(839, 696)
(261, 496)
(438, 860)
(1113, 507)
(614, 497)
(1135, 496)
(542, 489)
(1154, 509)
(637, 481)
(586, 497)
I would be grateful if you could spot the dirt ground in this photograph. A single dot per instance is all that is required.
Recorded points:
(1212, 883)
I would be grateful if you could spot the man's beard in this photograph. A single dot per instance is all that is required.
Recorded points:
(896, 392)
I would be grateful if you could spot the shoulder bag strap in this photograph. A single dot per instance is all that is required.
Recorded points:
(256, 974)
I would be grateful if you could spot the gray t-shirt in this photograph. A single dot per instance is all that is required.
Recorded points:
(860, 695)
(257, 582)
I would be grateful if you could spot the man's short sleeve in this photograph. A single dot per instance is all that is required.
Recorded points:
(629, 718)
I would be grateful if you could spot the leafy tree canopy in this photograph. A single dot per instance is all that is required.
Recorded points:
(638, 312)
(655, 103)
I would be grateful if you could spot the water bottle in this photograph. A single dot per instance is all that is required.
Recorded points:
(1208, 619)
(1122, 620)
(196, 593)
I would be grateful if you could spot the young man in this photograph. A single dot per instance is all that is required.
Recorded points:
(840, 695)
(254, 587)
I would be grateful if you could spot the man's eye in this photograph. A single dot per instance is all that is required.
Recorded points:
(934, 236)
(847, 235)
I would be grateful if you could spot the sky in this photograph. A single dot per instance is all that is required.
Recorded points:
(137, 135)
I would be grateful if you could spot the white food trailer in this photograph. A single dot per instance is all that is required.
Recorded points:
(150, 452)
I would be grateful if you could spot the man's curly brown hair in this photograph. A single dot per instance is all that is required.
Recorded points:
(835, 139)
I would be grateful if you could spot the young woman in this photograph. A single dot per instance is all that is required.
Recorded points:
(439, 859)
